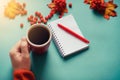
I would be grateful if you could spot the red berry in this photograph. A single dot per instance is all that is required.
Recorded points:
(36, 13)
(46, 18)
(49, 16)
(41, 16)
(52, 12)
(35, 18)
(39, 21)
(21, 25)
(31, 23)
(60, 16)
(34, 21)
(31, 16)
(45, 21)
(70, 5)
(42, 20)
(28, 18)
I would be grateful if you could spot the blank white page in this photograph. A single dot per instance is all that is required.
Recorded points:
(65, 42)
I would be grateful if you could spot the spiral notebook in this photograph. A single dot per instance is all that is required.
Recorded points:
(66, 43)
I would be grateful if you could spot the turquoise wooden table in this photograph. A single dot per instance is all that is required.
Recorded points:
(100, 62)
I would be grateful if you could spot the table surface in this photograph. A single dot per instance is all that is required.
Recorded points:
(100, 62)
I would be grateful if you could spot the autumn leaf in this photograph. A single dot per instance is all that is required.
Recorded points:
(110, 10)
(51, 5)
(107, 9)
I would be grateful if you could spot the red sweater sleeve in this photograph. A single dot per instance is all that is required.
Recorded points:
(22, 74)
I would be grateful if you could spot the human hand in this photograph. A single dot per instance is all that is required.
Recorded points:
(20, 56)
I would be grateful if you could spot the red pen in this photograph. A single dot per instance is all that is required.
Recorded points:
(73, 33)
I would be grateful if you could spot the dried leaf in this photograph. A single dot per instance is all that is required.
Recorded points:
(110, 9)
(107, 9)
(51, 5)
(13, 9)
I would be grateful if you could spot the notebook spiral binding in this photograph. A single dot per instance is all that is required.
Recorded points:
(57, 43)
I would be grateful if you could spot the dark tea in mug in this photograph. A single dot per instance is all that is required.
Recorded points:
(39, 37)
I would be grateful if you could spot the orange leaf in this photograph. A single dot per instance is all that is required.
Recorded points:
(51, 5)
(110, 9)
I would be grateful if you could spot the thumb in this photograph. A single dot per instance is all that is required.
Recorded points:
(24, 47)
